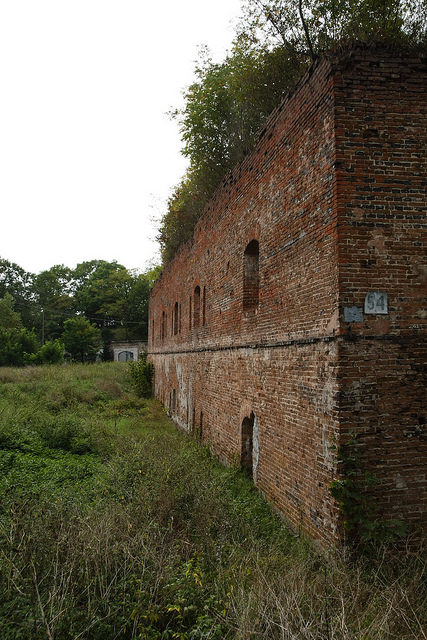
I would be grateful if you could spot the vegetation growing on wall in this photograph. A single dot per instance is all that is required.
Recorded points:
(229, 101)
(351, 490)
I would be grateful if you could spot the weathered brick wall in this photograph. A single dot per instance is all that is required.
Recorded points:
(304, 195)
(380, 104)
(291, 391)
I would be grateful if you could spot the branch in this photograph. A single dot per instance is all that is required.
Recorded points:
(307, 34)
(274, 23)
(277, 25)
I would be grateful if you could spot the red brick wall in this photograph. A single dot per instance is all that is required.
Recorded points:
(380, 103)
(306, 195)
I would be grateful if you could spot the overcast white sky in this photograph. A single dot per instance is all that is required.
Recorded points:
(88, 155)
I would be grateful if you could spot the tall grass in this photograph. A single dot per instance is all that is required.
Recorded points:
(114, 525)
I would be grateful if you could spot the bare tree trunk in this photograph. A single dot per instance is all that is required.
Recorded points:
(307, 34)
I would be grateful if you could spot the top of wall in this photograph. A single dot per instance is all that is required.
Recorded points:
(339, 61)
(287, 194)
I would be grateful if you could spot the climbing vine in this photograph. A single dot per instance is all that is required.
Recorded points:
(361, 516)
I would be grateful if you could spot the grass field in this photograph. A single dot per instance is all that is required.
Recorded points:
(113, 525)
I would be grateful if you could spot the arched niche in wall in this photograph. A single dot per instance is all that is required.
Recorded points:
(251, 276)
(175, 319)
(163, 328)
(196, 314)
(247, 444)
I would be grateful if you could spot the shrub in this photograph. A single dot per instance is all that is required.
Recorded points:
(15, 344)
(140, 533)
(141, 374)
(360, 513)
(50, 353)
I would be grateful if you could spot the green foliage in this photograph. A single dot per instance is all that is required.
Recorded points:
(359, 510)
(9, 319)
(141, 375)
(104, 291)
(224, 109)
(318, 26)
(52, 291)
(52, 352)
(52, 284)
(184, 208)
(229, 101)
(114, 298)
(152, 274)
(18, 282)
(81, 339)
(101, 292)
(113, 524)
(136, 312)
(16, 345)
(19, 346)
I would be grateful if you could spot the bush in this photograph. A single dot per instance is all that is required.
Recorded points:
(138, 533)
(141, 374)
(15, 344)
(50, 353)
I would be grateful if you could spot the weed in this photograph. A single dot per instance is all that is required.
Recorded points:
(351, 490)
(141, 375)
(115, 525)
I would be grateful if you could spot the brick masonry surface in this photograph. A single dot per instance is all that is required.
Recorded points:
(295, 317)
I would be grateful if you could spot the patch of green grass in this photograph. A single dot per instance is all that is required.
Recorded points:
(115, 525)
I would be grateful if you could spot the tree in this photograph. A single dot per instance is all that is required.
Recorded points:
(227, 104)
(52, 283)
(152, 274)
(16, 345)
(311, 28)
(9, 319)
(224, 110)
(113, 297)
(81, 339)
(19, 346)
(18, 283)
(101, 293)
(136, 317)
(52, 290)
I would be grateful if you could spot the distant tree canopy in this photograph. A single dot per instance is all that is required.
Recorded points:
(9, 319)
(113, 299)
(82, 339)
(229, 101)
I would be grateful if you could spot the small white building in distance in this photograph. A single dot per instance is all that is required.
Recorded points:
(127, 351)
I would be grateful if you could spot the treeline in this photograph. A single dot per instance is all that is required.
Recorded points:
(76, 311)
(274, 44)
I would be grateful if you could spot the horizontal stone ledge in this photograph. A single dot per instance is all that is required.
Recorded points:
(286, 343)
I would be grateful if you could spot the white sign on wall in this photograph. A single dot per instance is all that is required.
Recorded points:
(376, 302)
